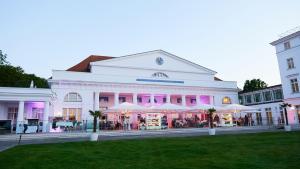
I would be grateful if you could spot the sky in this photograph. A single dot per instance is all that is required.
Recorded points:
(229, 36)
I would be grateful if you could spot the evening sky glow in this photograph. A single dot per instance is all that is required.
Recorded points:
(230, 37)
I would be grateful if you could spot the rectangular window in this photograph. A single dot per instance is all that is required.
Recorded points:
(241, 99)
(269, 116)
(65, 114)
(267, 96)
(257, 97)
(294, 85)
(287, 45)
(122, 99)
(139, 100)
(281, 119)
(290, 62)
(12, 113)
(258, 119)
(193, 101)
(103, 99)
(278, 94)
(72, 114)
(248, 99)
(179, 100)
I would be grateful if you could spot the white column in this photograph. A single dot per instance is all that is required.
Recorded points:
(46, 117)
(183, 100)
(20, 118)
(168, 98)
(97, 104)
(211, 100)
(116, 99)
(152, 99)
(134, 98)
(197, 99)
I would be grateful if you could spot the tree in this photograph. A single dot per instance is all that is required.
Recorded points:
(3, 57)
(95, 114)
(210, 116)
(254, 84)
(14, 76)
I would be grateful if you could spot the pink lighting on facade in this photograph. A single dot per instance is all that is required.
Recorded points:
(291, 115)
(204, 99)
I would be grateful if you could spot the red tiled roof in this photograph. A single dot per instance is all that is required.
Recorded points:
(84, 66)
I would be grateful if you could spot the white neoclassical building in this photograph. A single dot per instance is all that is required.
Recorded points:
(100, 82)
(147, 79)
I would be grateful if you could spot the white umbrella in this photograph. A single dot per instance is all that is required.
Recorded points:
(126, 106)
(169, 106)
(238, 107)
(206, 107)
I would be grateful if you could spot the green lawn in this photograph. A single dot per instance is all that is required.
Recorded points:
(265, 150)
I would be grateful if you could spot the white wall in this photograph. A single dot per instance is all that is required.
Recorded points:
(86, 91)
(275, 108)
(285, 73)
(147, 60)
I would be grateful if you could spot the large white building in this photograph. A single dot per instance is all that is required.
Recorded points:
(147, 79)
(99, 82)
(288, 56)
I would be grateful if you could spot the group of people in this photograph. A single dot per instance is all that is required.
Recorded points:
(247, 120)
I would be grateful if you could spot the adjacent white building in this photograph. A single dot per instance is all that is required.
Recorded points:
(288, 56)
(268, 102)
(25, 105)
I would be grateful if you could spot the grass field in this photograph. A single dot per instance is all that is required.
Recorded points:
(265, 150)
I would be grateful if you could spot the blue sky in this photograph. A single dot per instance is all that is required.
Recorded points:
(231, 37)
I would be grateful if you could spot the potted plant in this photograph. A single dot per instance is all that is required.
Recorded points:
(95, 114)
(211, 129)
(287, 127)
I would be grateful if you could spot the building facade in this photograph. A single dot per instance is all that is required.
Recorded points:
(268, 101)
(100, 82)
(288, 56)
(147, 79)
(30, 106)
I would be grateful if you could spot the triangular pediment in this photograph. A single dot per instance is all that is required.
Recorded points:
(155, 60)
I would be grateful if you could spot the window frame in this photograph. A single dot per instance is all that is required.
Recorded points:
(67, 97)
(226, 100)
(290, 63)
(294, 85)
(287, 45)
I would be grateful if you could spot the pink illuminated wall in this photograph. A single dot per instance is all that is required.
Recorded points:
(291, 116)
(204, 99)
(38, 107)
(145, 100)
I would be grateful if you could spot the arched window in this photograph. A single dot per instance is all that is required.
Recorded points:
(226, 100)
(73, 97)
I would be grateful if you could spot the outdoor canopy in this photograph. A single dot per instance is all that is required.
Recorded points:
(238, 108)
(126, 106)
(169, 106)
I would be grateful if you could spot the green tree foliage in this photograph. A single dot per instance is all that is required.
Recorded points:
(3, 60)
(14, 76)
(254, 84)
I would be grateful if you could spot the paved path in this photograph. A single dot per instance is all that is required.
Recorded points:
(11, 140)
